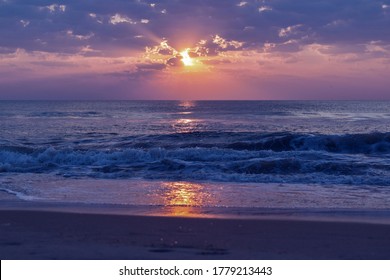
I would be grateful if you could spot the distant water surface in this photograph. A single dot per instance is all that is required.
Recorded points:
(320, 152)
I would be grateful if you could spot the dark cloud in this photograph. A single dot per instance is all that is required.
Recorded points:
(142, 71)
(151, 66)
(51, 64)
(216, 61)
(43, 25)
(49, 22)
(175, 61)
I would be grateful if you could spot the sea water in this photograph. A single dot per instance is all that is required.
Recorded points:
(250, 154)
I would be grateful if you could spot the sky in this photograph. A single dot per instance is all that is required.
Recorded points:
(195, 49)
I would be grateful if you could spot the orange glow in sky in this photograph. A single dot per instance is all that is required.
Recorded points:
(183, 50)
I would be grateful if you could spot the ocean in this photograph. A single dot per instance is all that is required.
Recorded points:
(221, 155)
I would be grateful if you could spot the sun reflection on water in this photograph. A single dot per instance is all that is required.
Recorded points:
(187, 104)
(185, 198)
(185, 107)
(185, 124)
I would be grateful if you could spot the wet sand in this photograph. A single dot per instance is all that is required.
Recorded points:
(37, 234)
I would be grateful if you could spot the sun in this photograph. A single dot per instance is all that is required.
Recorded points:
(186, 59)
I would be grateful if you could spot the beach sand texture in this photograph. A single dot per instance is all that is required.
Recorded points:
(55, 235)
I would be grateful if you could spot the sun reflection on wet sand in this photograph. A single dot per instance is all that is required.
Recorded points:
(184, 198)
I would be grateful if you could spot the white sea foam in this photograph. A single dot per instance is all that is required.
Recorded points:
(319, 143)
(218, 164)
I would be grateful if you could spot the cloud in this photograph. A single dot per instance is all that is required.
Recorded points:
(289, 30)
(151, 66)
(378, 49)
(77, 36)
(97, 18)
(337, 23)
(164, 53)
(264, 9)
(142, 71)
(25, 23)
(239, 21)
(163, 48)
(175, 61)
(208, 48)
(242, 4)
(55, 8)
(226, 44)
(117, 18)
(146, 37)
(214, 45)
(216, 61)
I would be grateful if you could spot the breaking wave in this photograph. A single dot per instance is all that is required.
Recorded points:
(237, 157)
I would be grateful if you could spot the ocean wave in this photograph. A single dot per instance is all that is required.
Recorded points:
(371, 143)
(297, 159)
(351, 143)
(67, 114)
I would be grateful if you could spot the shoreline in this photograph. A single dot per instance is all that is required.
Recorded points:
(32, 233)
(355, 215)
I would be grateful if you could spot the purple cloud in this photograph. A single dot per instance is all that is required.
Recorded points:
(42, 25)
(138, 39)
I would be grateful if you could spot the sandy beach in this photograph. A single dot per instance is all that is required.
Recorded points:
(195, 130)
(36, 234)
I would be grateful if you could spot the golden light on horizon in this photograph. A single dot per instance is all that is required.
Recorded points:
(186, 59)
